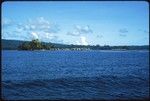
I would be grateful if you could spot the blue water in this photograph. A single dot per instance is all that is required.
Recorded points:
(75, 75)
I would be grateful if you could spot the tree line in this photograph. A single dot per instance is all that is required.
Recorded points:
(35, 45)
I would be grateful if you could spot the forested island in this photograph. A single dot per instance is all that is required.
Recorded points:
(37, 45)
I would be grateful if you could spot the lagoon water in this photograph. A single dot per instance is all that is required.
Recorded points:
(75, 75)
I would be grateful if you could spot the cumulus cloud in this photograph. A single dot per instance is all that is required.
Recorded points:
(39, 24)
(82, 41)
(15, 36)
(42, 28)
(7, 35)
(124, 30)
(79, 30)
(74, 33)
(19, 30)
(44, 36)
(35, 36)
(38, 28)
(83, 29)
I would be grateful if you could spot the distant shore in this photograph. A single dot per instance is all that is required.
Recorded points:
(73, 50)
(36, 45)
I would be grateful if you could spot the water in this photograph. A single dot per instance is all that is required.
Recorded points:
(75, 75)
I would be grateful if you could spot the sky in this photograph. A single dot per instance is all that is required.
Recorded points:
(77, 22)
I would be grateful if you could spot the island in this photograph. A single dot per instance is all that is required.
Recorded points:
(35, 44)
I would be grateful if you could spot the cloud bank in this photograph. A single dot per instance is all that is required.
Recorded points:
(38, 28)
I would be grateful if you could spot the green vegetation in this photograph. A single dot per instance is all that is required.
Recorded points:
(34, 45)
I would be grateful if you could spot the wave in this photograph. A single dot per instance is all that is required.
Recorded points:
(103, 87)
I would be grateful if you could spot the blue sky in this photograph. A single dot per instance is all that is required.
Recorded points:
(82, 23)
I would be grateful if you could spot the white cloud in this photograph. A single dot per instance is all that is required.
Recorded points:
(35, 36)
(74, 33)
(82, 41)
(39, 24)
(45, 37)
(38, 28)
(15, 36)
(6, 22)
(18, 30)
(83, 29)
(79, 30)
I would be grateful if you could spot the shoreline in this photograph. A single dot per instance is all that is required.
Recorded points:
(74, 50)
